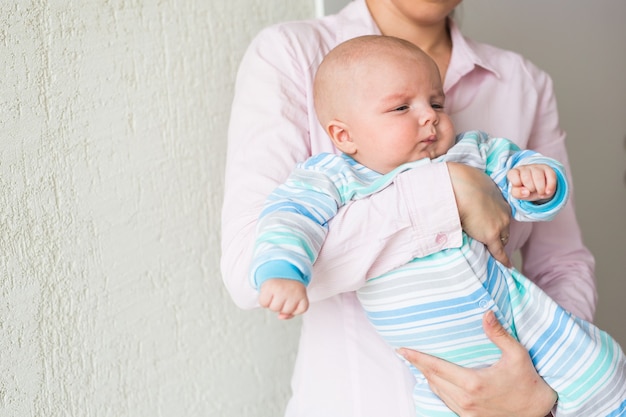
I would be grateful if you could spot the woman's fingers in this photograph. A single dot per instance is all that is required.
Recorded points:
(484, 214)
(436, 368)
(510, 387)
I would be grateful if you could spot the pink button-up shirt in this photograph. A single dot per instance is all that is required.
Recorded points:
(343, 368)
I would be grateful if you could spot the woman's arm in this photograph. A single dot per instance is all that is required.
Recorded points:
(554, 256)
(420, 225)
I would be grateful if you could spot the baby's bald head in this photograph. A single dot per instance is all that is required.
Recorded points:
(345, 69)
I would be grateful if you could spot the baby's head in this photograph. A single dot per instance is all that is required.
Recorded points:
(381, 100)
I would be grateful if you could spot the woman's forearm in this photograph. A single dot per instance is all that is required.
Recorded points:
(413, 217)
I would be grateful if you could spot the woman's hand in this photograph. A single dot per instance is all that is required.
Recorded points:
(509, 388)
(484, 214)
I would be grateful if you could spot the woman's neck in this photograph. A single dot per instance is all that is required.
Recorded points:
(432, 37)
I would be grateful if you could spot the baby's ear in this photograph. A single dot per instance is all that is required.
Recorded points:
(339, 133)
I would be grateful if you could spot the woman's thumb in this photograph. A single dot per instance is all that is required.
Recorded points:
(496, 332)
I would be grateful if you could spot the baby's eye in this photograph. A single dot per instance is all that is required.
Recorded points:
(437, 106)
(401, 108)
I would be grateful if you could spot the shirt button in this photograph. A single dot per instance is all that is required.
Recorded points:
(483, 304)
(441, 238)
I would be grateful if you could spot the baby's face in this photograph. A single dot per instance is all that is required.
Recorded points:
(397, 112)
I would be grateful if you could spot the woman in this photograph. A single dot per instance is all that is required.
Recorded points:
(343, 368)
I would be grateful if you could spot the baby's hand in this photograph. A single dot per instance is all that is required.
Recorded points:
(532, 182)
(287, 297)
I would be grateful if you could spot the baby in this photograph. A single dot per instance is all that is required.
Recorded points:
(381, 101)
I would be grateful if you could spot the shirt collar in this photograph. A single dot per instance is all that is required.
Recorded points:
(466, 56)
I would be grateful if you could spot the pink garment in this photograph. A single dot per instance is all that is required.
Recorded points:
(343, 368)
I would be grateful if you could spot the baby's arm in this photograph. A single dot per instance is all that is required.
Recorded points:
(534, 185)
(287, 297)
(294, 222)
(534, 182)
(290, 232)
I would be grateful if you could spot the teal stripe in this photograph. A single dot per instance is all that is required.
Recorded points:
(285, 238)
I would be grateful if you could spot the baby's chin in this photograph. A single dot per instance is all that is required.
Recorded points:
(435, 150)
(430, 153)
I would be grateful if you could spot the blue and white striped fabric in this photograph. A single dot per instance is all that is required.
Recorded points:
(435, 304)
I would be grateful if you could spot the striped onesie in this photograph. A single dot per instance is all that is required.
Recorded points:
(435, 304)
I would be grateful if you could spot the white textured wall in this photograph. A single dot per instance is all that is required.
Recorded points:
(113, 118)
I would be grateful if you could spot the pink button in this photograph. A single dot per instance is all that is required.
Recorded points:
(441, 238)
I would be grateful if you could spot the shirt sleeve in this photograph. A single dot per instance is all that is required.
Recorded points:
(530, 211)
(502, 156)
(269, 133)
(294, 221)
(411, 218)
(496, 157)
(293, 225)
(554, 255)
